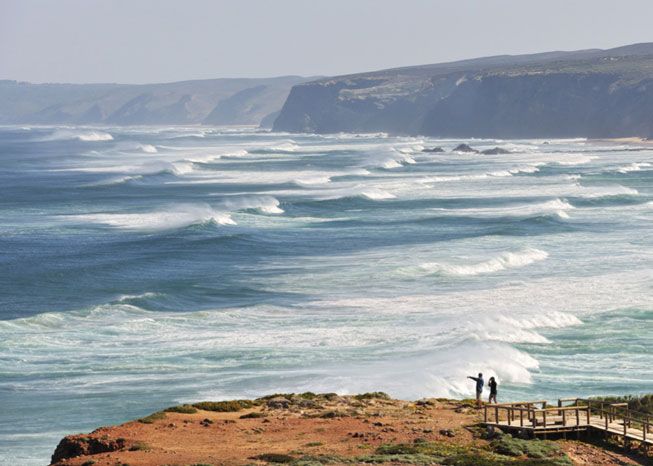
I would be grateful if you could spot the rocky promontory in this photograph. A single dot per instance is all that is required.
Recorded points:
(587, 93)
(320, 429)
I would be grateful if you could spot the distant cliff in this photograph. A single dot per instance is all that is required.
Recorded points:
(589, 93)
(211, 101)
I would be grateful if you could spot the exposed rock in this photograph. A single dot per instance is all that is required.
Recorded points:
(495, 151)
(447, 432)
(424, 403)
(278, 402)
(464, 148)
(433, 149)
(76, 445)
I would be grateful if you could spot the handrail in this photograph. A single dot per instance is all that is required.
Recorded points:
(514, 416)
(564, 408)
(521, 403)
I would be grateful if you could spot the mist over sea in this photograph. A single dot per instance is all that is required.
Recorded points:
(148, 266)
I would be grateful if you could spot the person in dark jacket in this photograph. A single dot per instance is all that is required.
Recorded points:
(493, 390)
(479, 387)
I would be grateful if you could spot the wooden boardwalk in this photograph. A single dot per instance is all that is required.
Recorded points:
(538, 418)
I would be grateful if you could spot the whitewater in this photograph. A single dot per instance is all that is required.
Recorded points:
(144, 267)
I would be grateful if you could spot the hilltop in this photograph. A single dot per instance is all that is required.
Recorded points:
(211, 101)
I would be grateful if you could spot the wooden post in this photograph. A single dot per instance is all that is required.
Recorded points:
(496, 413)
(588, 416)
(644, 429)
(521, 418)
(509, 416)
(577, 417)
(485, 413)
(625, 432)
(564, 418)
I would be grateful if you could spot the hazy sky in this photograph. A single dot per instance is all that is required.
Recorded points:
(137, 41)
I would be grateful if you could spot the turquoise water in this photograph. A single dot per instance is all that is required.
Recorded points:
(143, 267)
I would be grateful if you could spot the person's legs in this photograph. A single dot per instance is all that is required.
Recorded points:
(493, 398)
(478, 399)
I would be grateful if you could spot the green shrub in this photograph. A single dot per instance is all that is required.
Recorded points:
(642, 404)
(274, 458)
(184, 409)
(139, 446)
(253, 415)
(372, 396)
(152, 417)
(331, 414)
(224, 406)
(538, 449)
(287, 396)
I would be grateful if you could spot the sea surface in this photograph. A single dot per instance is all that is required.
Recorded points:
(144, 267)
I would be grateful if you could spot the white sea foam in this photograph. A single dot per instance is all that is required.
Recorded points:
(264, 204)
(81, 135)
(506, 260)
(595, 192)
(481, 176)
(391, 158)
(148, 148)
(376, 194)
(173, 217)
(557, 207)
(117, 180)
(634, 167)
(573, 159)
(312, 180)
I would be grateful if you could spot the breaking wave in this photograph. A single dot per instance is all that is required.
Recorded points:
(506, 260)
(263, 204)
(633, 167)
(86, 136)
(482, 176)
(172, 218)
(556, 207)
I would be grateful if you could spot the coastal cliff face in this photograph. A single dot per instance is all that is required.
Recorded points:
(591, 93)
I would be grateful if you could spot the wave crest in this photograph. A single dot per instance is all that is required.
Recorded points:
(80, 135)
(176, 216)
(506, 260)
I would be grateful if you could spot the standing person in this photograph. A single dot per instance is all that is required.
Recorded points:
(493, 390)
(479, 387)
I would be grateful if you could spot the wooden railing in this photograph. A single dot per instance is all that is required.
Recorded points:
(581, 414)
(528, 415)
(617, 412)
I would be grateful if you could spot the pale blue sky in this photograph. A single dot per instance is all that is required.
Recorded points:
(138, 41)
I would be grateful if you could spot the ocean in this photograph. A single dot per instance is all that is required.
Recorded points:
(144, 267)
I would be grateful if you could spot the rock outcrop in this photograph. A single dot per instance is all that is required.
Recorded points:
(465, 148)
(81, 445)
(495, 151)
